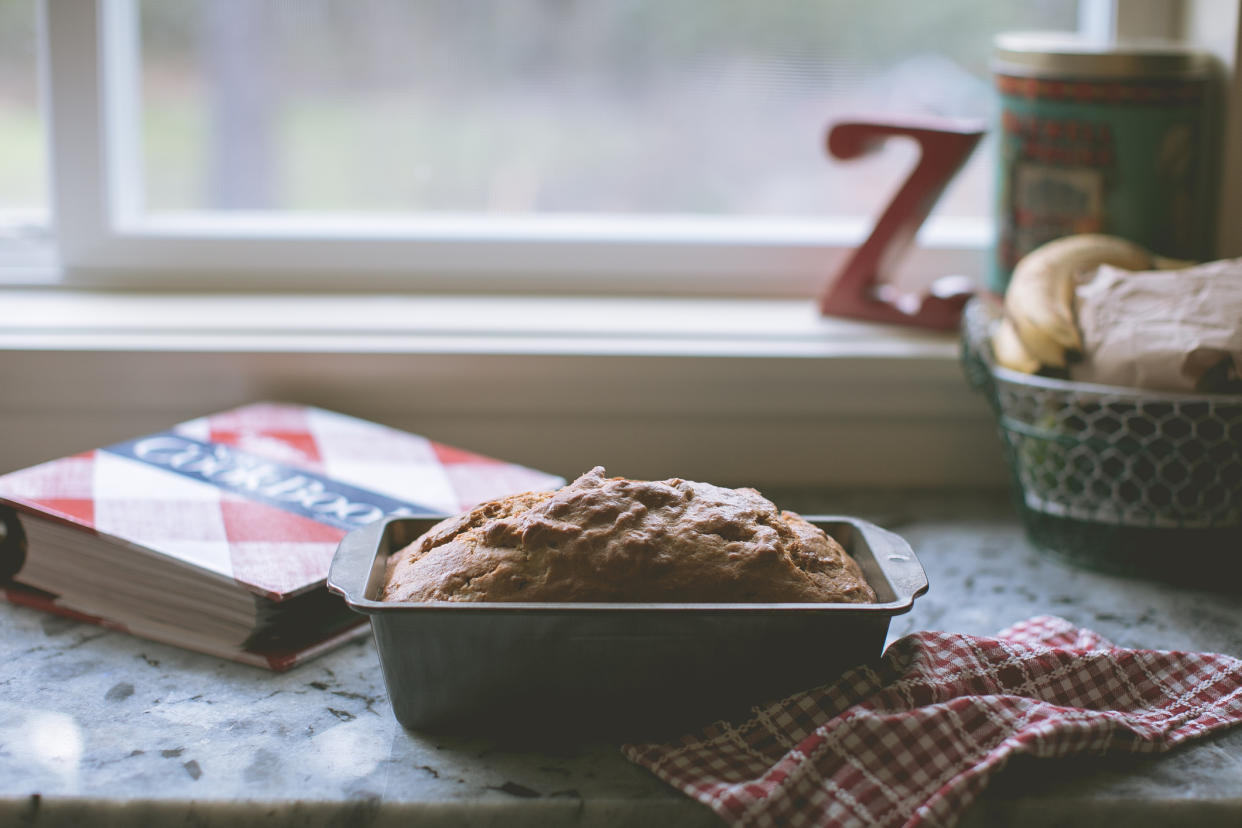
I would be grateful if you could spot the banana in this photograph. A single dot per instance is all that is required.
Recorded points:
(1165, 263)
(1039, 302)
(1009, 351)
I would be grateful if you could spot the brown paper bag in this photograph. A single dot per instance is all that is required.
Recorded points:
(1164, 330)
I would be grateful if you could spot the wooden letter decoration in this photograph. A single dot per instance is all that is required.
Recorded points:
(859, 290)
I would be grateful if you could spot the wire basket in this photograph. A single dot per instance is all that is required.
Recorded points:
(1126, 480)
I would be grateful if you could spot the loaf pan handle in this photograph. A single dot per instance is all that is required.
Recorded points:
(351, 565)
(892, 555)
(897, 561)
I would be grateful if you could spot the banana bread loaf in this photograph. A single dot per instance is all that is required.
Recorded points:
(620, 540)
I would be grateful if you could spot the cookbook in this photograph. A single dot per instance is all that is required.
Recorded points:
(216, 534)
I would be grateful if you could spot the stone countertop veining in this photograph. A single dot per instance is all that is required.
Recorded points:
(97, 727)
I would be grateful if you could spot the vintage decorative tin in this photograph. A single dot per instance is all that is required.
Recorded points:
(1111, 138)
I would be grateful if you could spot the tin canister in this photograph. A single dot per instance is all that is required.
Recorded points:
(1115, 139)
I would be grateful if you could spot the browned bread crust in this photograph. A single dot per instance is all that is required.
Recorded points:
(619, 540)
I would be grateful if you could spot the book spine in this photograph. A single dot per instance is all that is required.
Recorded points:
(12, 544)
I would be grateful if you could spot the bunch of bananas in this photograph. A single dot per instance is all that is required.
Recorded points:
(1039, 329)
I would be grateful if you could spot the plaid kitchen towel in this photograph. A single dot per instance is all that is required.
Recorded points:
(913, 739)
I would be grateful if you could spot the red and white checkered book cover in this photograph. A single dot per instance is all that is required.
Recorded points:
(913, 739)
(261, 494)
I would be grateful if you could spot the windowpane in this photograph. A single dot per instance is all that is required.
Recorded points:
(23, 179)
(707, 107)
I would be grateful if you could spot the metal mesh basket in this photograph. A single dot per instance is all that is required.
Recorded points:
(1114, 477)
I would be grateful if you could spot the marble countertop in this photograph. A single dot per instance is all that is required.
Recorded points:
(100, 727)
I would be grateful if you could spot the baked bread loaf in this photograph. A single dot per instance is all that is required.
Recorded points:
(619, 540)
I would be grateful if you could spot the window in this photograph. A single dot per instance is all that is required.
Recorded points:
(628, 145)
(624, 144)
(23, 163)
(559, 146)
(516, 107)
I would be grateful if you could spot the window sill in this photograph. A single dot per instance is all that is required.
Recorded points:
(449, 324)
(736, 391)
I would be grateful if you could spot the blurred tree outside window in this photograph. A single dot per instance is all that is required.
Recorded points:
(23, 163)
(514, 107)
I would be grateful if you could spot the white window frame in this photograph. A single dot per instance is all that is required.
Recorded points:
(92, 79)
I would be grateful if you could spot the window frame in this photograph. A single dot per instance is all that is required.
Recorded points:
(90, 70)
(104, 240)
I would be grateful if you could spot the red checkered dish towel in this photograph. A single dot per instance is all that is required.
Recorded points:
(913, 739)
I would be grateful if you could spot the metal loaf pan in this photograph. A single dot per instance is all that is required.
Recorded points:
(630, 669)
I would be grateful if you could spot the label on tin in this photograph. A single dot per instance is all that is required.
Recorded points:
(1128, 158)
(1059, 182)
(1058, 194)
